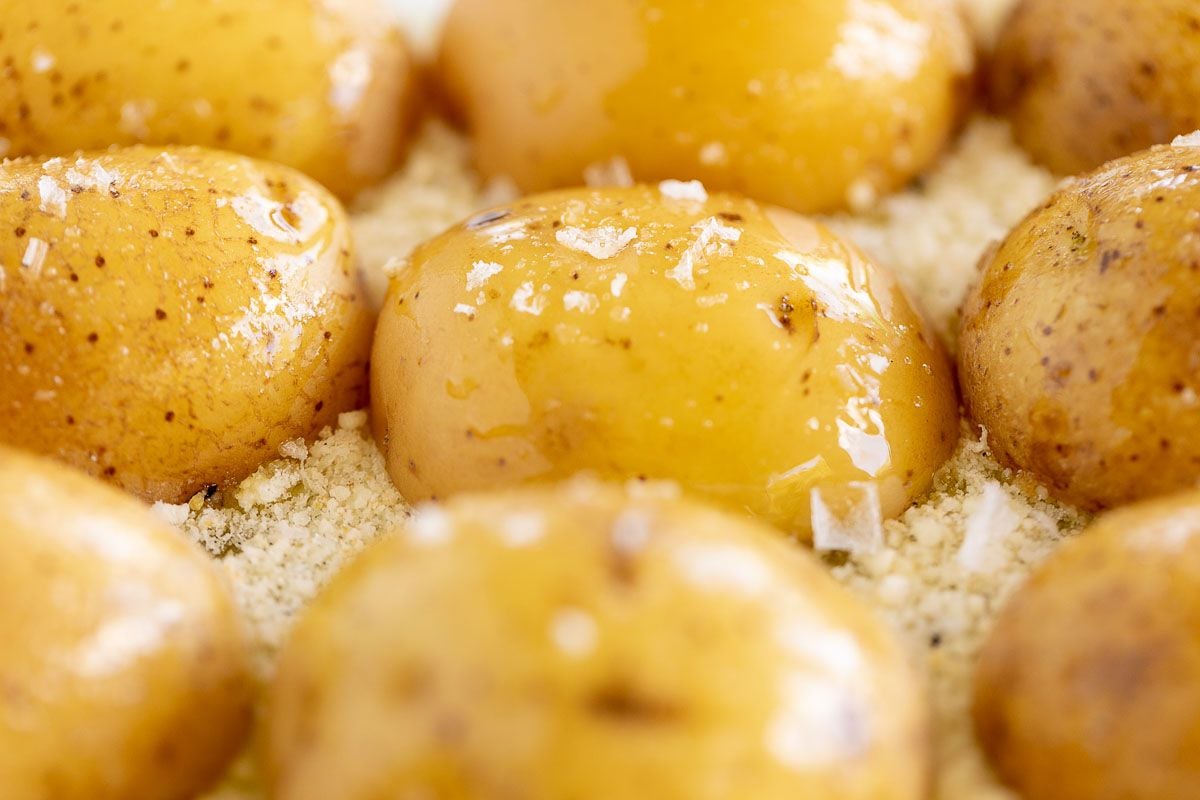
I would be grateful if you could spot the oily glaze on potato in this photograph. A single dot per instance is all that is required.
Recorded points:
(172, 316)
(325, 87)
(1086, 81)
(747, 353)
(1089, 687)
(813, 105)
(575, 642)
(1078, 351)
(123, 671)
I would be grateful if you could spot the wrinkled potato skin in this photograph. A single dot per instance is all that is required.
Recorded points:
(1078, 351)
(1087, 81)
(326, 87)
(1089, 686)
(123, 673)
(179, 317)
(748, 381)
(448, 659)
(791, 102)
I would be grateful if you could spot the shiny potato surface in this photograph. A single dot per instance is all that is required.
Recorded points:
(747, 353)
(1078, 347)
(575, 642)
(1086, 81)
(123, 671)
(172, 316)
(809, 104)
(1089, 686)
(325, 87)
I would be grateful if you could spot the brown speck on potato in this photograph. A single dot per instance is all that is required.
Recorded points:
(93, 337)
(169, 416)
(153, 233)
(159, 314)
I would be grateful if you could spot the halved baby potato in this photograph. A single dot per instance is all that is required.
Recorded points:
(172, 316)
(123, 668)
(810, 104)
(577, 642)
(1078, 351)
(325, 87)
(1089, 686)
(745, 352)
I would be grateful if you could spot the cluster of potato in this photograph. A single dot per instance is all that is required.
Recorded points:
(172, 314)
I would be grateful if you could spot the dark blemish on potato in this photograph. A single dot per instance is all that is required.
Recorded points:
(209, 491)
(93, 337)
(74, 278)
(251, 240)
(272, 273)
(785, 309)
(729, 216)
(935, 640)
(29, 348)
(1159, 311)
(501, 462)
(540, 339)
(1107, 258)
(189, 231)
(19, 232)
(621, 703)
(110, 471)
(153, 233)
(412, 467)
(207, 283)
(159, 314)
(320, 404)
(70, 420)
(558, 223)
(487, 218)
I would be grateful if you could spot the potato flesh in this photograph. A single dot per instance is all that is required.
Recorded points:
(811, 105)
(1087, 81)
(749, 355)
(123, 669)
(574, 643)
(1089, 686)
(172, 316)
(323, 87)
(1077, 352)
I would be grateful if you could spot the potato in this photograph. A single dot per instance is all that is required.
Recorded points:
(747, 353)
(325, 87)
(123, 673)
(1087, 81)
(809, 104)
(575, 642)
(1089, 686)
(172, 316)
(1077, 351)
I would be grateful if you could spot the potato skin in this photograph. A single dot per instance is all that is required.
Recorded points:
(1078, 348)
(326, 87)
(172, 316)
(1087, 81)
(747, 353)
(124, 673)
(809, 104)
(1089, 686)
(576, 642)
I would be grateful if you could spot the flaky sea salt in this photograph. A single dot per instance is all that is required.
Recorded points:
(684, 190)
(601, 243)
(1187, 140)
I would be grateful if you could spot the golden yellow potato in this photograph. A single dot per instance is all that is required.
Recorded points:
(1086, 81)
(746, 353)
(123, 671)
(809, 104)
(1077, 351)
(1089, 686)
(576, 642)
(172, 316)
(326, 87)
